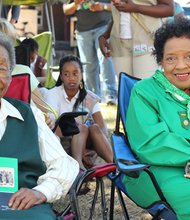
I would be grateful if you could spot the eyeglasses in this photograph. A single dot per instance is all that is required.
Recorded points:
(4, 73)
(4, 69)
(174, 59)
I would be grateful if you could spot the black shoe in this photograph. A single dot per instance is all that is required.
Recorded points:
(84, 189)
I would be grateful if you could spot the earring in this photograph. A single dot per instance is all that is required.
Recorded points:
(81, 85)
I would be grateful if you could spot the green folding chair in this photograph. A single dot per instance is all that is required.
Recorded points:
(44, 40)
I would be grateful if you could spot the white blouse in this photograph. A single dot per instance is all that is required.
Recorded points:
(58, 99)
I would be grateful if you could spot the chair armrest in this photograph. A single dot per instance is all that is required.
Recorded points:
(125, 166)
(124, 157)
(128, 164)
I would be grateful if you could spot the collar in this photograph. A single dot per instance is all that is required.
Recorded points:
(177, 94)
(66, 96)
(7, 109)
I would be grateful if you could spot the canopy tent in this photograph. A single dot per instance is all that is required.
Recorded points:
(23, 2)
(48, 11)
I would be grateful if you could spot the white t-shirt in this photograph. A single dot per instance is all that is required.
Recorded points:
(125, 25)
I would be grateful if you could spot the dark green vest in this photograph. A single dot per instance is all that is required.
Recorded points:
(20, 141)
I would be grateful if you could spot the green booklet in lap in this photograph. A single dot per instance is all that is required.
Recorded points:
(8, 180)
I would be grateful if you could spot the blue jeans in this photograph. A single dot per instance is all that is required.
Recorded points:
(95, 64)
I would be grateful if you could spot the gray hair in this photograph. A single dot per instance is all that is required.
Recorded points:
(7, 43)
(7, 28)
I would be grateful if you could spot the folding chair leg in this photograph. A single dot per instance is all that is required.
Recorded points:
(94, 199)
(122, 203)
(99, 185)
(112, 200)
(103, 198)
(75, 207)
(73, 196)
(66, 210)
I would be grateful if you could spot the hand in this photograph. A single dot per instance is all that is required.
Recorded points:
(104, 46)
(187, 176)
(26, 198)
(50, 120)
(97, 7)
(125, 6)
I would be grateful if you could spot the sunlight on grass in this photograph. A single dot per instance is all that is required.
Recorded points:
(109, 115)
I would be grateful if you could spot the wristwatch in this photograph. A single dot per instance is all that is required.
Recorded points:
(105, 7)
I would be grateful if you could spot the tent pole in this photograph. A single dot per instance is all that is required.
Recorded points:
(52, 22)
(1, 2)
(47, 16)
(50, 25)
(53, 36)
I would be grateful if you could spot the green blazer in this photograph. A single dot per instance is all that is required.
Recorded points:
(159, 133)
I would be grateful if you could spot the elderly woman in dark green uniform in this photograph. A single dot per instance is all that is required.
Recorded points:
(45, 171)
(158, 121)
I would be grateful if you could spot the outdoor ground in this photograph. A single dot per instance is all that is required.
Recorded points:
(85, 201)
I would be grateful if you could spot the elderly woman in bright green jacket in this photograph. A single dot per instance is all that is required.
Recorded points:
(158, 121)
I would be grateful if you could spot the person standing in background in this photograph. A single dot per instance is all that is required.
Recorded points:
(92, 20)
(15, 12)
(130, 35)
(178, 12)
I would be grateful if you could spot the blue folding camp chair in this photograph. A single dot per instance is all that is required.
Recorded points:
(126, 162)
